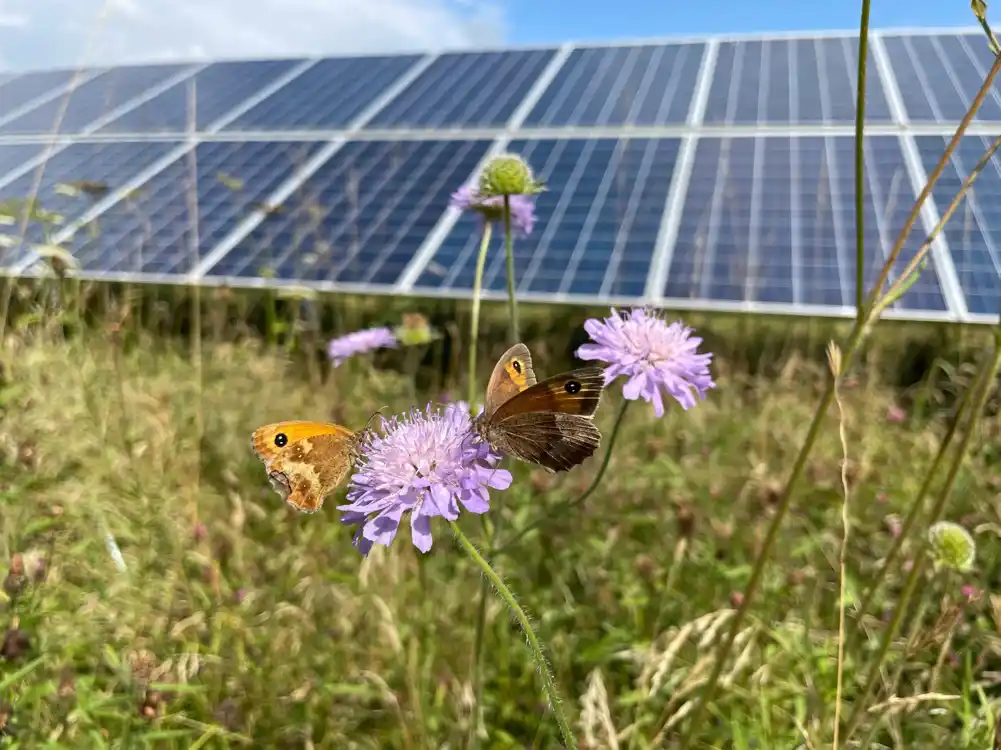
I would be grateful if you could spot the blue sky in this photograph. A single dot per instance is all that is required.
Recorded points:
(532, 21)
(51, 33)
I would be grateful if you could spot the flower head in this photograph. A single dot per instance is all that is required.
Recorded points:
(467, 198)
(652, 354)
(508, 174)
(425, 464)
(360, 342)
(952, 546)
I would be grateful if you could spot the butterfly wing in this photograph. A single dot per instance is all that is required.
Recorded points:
(557, 442)
(305, 461)
(512, 375)
(550, 424)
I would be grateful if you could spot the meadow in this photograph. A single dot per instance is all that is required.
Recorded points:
(239, 622)
(767, 568)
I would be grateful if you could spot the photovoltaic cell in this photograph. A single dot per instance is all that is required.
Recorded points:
(637, 85)
(771, 219)
(154, 232)
(599, 219)
(13, 155)
(790, 81)
(361, 217)
(108, 165)
(24, 89)
(974, 231)
(328, 95)
(91, 100)
(215, 90)
(939, 76)
(466, 90)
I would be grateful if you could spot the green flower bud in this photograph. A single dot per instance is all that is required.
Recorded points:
(952, 546)
(507, 174)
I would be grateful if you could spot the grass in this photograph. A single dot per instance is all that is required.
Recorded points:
(255, 626)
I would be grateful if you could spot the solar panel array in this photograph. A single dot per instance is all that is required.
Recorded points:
(711, 173)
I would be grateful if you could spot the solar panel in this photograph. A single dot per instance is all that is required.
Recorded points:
(600, 216)
(974, 232)
(466, 90)
(91, 100)
(327, 96)
(96, 167)
(153, 232)
(25, 89)
(939, 76)
(637, 85)
(771, 219)
(790, 81)
(361, 217)
(215, 90)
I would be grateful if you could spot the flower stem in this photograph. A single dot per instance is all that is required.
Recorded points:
(512, 300)
(548, 682)
(863, 48)
(481, 614)
(474, 325)
(984, 388)
(558, 509)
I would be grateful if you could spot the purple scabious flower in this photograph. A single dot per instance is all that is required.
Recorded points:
(467, 198)
(653, 354)
(360, 342)
(426, 464)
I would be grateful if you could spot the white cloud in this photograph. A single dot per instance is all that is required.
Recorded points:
(65, 33)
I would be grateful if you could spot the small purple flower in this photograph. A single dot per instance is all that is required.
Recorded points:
(425, 464)
(467, 198)
(360, 342)
(652, 354)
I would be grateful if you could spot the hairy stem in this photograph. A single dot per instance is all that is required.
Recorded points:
(512, 300)
(474, 325)
(545, 672)
(863, 54)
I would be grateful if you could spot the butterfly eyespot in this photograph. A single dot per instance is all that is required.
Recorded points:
(281, 439)
(572, 386)
(516, 366)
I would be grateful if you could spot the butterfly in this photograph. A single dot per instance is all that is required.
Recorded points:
(306, 461)
(549, 423)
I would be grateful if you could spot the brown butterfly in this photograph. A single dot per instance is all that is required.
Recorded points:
(549, 423)
(306, 461)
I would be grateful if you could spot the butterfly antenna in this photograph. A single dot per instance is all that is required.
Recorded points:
(376, 414)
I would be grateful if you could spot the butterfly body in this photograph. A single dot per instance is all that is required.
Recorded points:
(306, 461)
(549, 423)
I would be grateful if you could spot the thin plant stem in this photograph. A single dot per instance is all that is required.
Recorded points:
(541, 663)
(983, 391)
(863, 53)
(848, 354)
(558, 509)
(512, 300)
(474, 325)
(835, 362)
(476, 676)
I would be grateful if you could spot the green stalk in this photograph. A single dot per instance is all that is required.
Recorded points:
(512, 300)
(474, 326)
(863, 52)
(541, 663)
(920, 558)
(476, 677)
(559, 509)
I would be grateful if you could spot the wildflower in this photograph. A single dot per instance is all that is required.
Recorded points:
(492, 209)
(970, 593)
(508, 174)
(952, 546)
(652, 354)
(360, 342)
(425, 464)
